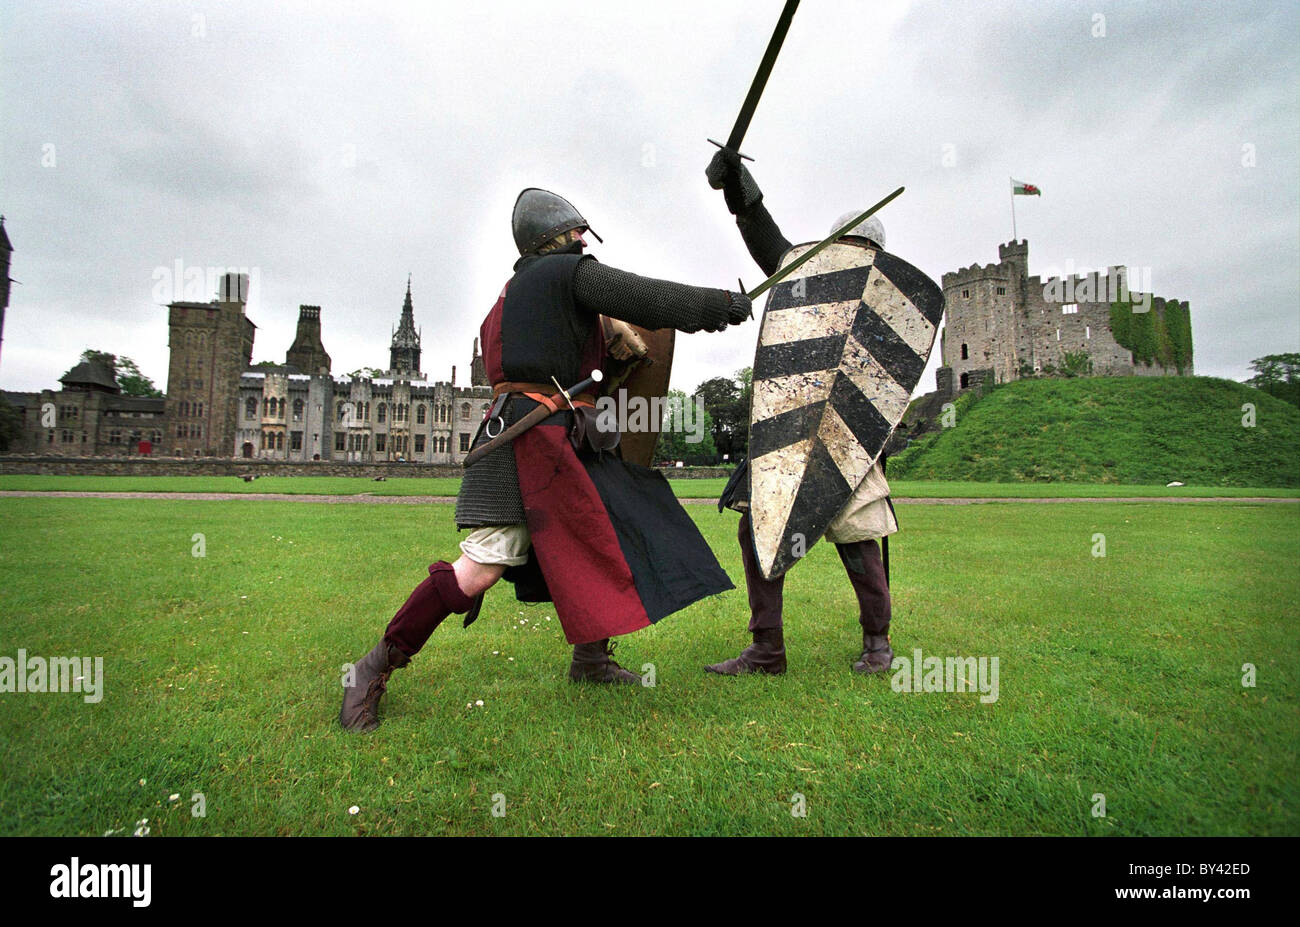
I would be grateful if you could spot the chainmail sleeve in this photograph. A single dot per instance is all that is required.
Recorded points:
(762, 237)
(646, 301)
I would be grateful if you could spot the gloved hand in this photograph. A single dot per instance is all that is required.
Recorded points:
(742, 308)
(727, 172)
(716, 318)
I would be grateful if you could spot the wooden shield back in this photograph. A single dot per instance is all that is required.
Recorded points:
(648, 379)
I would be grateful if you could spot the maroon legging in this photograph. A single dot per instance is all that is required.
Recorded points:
(428, 604)
(861, 561)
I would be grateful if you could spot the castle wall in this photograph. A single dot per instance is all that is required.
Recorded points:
(1058, 326)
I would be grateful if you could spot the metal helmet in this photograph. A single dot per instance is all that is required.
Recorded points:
(540, 216)
(869, 228)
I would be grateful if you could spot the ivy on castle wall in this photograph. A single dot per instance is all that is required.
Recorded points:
(1162, 335)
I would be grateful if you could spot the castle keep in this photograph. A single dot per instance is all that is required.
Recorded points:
(1002, 324)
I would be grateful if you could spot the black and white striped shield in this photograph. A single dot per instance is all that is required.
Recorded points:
(842, 345)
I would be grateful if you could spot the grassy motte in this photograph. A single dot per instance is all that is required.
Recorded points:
(1139, 430)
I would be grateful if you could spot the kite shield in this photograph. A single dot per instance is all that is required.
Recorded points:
(842, 345)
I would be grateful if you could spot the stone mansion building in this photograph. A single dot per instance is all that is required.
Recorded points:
(218, 404)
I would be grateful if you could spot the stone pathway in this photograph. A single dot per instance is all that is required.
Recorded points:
(368, 499)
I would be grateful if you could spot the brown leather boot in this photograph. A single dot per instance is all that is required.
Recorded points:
(877, 654)
(765, 655)
(360, 712)
(592, 663)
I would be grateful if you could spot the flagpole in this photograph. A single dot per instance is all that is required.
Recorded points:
(1014, 238)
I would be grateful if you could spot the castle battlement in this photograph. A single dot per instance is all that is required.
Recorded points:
(975, 274)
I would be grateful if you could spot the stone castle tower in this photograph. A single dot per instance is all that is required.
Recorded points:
(307, 353)
(210, 344)
(6, 249)
(478, 369)
(404, 353)
(1003, 324)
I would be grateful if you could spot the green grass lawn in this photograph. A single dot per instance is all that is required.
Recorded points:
(1119, 675)
(685, 488)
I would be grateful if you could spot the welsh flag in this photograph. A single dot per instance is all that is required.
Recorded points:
(1024, 189)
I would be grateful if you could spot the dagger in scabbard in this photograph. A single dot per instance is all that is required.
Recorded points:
(531, 418)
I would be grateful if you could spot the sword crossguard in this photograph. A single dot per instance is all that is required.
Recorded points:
(563, 392)
(722, 146)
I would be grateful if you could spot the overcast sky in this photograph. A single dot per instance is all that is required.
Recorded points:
(335, 148)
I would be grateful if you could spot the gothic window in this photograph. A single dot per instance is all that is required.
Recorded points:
(464, 443)
(339, 438)
(464, 411)
(381, 415)
(199, 413)
(965, 354)
(381, 440)
(365, 443)
(279, 441)
(297, 410)
(419, 417)
(295, 441)
(341, 413)
(419, 442)
(250, 408)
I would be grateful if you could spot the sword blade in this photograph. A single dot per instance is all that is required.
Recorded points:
(760, 79)
(812, 252)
